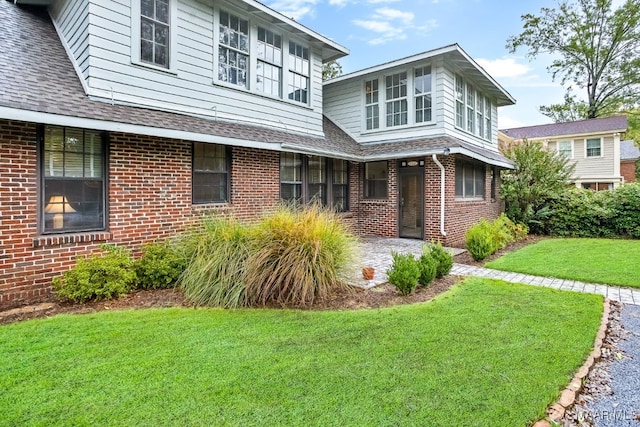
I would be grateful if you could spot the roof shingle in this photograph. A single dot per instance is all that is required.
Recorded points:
(607, 124)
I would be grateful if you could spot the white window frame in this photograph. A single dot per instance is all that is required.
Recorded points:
(277, 64)
(480, 114)
(402, 100)
(292, 71)
(249, 53)
(488, 107)
(173, 38)
(460, 101)
(374, 105)
(586, 148)
(471, 109)
(570, 142)
(423, 95)
(471, 106)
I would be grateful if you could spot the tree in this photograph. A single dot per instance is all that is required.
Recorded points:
(331, 70)
(595, 48)
(538, 177)
(572, 109)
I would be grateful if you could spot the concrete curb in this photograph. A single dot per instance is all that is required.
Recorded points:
(556, 412)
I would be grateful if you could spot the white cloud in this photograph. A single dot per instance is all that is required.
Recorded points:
(391, 24)
(503, 67)
(295, 9)
(506, 122)
(392, 14)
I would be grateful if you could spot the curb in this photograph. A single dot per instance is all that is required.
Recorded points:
(556, 412)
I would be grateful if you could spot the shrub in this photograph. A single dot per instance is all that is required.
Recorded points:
(215, 271)
(100, 276)
(428, 267)
(581, 213)
(159, 267)
(481, 240)
(299, 254)
(443, 257)
(404, 272)
(625, 210)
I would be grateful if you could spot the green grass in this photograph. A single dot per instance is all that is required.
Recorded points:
(614, 262)
(485, 353)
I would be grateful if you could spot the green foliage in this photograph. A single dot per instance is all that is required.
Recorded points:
(580, 213)
(298, 255)
(481, 241)
(598, 53)
(331, 70)
(442, 256)
(159, 267)
(539, 177)
(404, 273)
(215, 272)
(428, 267)
(100, 276)
(625, 210)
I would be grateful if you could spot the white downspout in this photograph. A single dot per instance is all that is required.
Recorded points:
(442, 194)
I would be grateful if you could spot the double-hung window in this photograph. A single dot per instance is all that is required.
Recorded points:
(487, 118)
(210, 182)
(375, 180)
(298, 73)
(269, 71)
(396, 99)
(471, 103)
(565, 148)
(594, 147)
(470, 180)
(480, 114)
(422, 89)
(340, 185)
(73, 180)
(371, 99)
(233, 50)
(154, 32)
(460, 95)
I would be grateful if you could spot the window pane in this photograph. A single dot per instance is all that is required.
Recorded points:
(459, 180)
(290, 167)
(210, 173)
(593, 147)
(375, 180)
(479, 181)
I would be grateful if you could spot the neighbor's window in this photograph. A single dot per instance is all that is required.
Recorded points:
(269, 65)
(470, 179)
(396, 99)
(375, 180)
(298, 73)
(154, 32)
(73, 180)
(594, 147)
(233, 49)
(371, 99)
(210, 173)
(565, 148)
(422, 89)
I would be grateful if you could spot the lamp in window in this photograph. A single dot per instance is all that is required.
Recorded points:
(58, 205)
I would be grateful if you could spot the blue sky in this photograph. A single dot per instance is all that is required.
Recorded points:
(378, 31)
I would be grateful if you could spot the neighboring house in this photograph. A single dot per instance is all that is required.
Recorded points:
(592, 145)
(125, 122)
(629, 155)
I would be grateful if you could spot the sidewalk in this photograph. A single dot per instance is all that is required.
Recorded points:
(376, 253)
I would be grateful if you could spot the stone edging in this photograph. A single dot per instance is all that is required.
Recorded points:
(555, 412)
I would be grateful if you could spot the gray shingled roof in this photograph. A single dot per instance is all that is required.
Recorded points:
(629, 151)
(607, 124)
(39, 77)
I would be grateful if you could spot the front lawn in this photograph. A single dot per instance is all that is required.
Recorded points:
(614, 262)
(485, 353)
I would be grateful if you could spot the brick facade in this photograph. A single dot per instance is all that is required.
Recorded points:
(628, 171)
(149, 198)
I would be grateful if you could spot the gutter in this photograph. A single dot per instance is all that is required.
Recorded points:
(442, 189)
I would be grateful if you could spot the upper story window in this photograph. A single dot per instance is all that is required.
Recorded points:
(471, 103)
(396, 99)
(375, 180)
(154, 32)
(298, 73)
(473, 111)
(73, 180)
(269, 66)
(371, 99)
(210, 182)
(422, 89)
(594, 147)
(460, 95)
(487, 118)
(233, 50)
(480, 114)
(565, 148)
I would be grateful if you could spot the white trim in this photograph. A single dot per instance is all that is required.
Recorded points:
(72, 58)
(570, 141)
(173, 37)
(586, 156)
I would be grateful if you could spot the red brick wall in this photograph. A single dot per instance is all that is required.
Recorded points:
(377, 217)
(628, 171)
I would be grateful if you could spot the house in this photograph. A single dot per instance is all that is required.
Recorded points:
(125, 122)
(592, 145)
(629, 155)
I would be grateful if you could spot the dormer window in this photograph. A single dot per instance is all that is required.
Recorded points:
(233, 50)
(154, 32)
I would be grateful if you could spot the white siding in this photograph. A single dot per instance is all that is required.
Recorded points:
(189, 88)
(72, 21)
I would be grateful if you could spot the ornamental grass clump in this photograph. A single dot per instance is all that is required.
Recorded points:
(298, 255)
(215, 270)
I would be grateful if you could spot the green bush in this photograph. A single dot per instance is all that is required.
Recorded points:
(298, 255)
(442, 256)
(404, 272)
(625, 210)
(159, 267)
(100, 276)
(581, 213)
(428, 267)
(215, 270)
(481, 240)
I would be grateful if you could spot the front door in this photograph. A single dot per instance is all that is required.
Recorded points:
(411, 199)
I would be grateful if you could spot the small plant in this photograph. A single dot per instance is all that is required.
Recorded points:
(100, 276)
(428, 267)
(443, 257)
(159, 267)
(481, 240)
(404, 272)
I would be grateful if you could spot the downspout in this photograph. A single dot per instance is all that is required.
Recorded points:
(442, 192)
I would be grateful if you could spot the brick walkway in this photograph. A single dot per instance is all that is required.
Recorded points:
(376, 253)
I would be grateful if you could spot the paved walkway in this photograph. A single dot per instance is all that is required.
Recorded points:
(376, 253)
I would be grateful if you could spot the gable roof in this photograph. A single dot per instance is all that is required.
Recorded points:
(39, 84)
(580, 127)
(629, 151)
